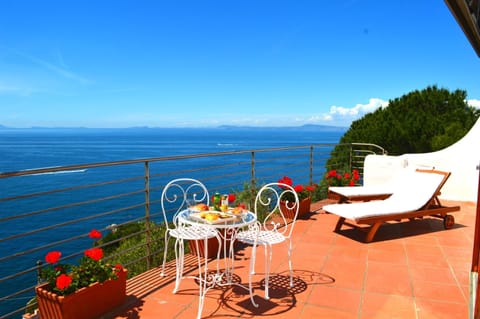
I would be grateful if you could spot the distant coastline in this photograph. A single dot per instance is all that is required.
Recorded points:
(306, 127)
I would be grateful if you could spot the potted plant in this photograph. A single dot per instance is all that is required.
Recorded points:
(304, 193)
(87, 290)
(336, 178)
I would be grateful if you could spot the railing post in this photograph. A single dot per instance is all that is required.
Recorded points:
(351, 158)
(311, 164)
(148, 236)
(252, 181)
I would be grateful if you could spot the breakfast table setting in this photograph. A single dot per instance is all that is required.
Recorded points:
(228, 221)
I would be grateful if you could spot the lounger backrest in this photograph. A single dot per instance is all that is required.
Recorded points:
(418, 189)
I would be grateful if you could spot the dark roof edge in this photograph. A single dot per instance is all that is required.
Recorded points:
(467, 16)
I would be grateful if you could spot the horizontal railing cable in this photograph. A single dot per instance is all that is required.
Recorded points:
(111, 197)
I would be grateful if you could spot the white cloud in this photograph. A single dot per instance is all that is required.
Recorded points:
(474, 103)
(341, 115)
(359, 109)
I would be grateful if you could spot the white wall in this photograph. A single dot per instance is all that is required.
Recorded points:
(461, 159)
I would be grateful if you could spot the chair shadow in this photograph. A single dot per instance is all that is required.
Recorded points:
(282, 296)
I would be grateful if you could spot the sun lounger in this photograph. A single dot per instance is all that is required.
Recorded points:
(416, 199)
(345, 194)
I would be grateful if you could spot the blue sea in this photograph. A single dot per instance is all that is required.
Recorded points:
(25, 149)
(22, 149)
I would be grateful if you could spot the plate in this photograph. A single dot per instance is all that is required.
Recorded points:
(219, 217)
(237, 211)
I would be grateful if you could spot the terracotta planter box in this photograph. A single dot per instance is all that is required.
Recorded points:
(88, 302)
(302, 210)
(213, 245)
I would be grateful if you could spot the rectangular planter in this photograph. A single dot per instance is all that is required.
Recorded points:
(303, 209)
(89, 302)
(212, 244)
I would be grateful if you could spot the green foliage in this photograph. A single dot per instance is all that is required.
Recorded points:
(132, 247)
(418, 122)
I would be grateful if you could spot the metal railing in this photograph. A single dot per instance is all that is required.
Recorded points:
(55, 208)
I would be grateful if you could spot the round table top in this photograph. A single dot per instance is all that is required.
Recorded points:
(192, 218)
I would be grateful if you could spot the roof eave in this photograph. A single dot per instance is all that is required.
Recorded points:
(467, 19)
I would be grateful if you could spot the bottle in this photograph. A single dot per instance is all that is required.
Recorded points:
(217, 201)
(224, 206)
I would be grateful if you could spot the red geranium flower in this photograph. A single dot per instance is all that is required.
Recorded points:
(332, 173)
(231, 198)
(337, 178)
(356, 176)
(95, 234)
(301, 190)
(53, 257)
(298, 188)
(63, 281)
(286, 180)
(94, 253)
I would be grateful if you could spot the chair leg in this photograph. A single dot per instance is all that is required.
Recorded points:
(268, 262)
(290, 261)
(165, 248)
(202, 275)
(251, 273)
(179, 254)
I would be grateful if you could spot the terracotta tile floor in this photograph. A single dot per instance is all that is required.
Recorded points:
(411, 270)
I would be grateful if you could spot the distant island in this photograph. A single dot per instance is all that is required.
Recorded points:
(306, 127)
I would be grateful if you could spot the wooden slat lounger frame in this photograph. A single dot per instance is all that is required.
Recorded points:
(432, 208)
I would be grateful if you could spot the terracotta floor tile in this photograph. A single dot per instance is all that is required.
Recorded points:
(439, 291)
(387, 306)
(335, 298)
(343, 252)
(388, 279)
(345, 273)
(428, 273)
(432, 309)
(394, 256)
(311, 311)
(426, 254)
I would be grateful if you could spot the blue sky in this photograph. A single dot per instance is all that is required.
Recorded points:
(207, 63)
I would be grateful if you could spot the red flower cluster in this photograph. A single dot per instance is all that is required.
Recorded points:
(335, 178)
(302, 191)
(64, 279)
(94, 253)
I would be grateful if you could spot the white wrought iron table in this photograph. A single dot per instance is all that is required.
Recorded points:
(228, 230)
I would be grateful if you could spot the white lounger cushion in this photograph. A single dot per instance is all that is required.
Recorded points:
(357, 191)
(400, 180)
(409, 195)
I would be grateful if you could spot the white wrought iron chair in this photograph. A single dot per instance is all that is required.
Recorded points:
(176, 197)
(274, 229)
